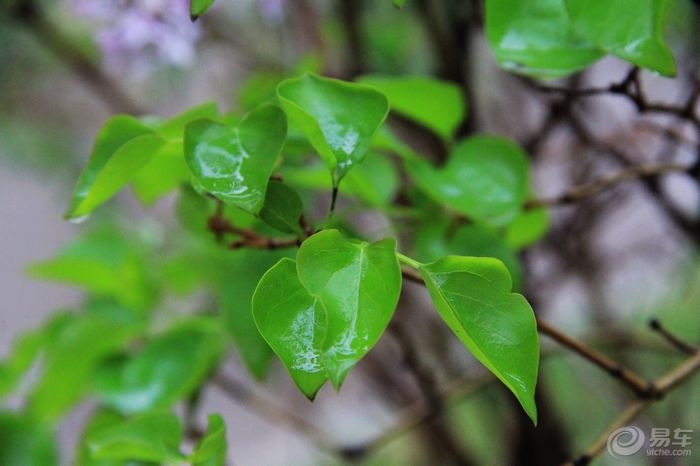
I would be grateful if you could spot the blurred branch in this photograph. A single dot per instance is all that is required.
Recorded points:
(661, 386)
(676, 342)
(580, 193)
(30, 14)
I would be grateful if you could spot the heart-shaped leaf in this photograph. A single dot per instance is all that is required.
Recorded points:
(294, 325)
(234, 163)
(535, 37)
(437, 105)
(339, 118)
(358, 284)
(283, 208)
(473, 296)
(211, 450)
(485, 179)
(630, 29)
(123, 146)
(152, 437)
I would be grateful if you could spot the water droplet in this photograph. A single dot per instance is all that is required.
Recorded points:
(78, 220)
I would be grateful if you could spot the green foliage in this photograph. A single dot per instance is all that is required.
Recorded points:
(26, 442)
(339, 118)
(283, 208)
(199, 7)
(234, 163)
(473, 296)
(211, 450)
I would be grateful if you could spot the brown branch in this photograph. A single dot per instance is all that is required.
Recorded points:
(582, 192)
(676, 342)
(662, 386)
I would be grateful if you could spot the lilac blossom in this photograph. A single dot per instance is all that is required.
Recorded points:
(139, 32)
(272, 11)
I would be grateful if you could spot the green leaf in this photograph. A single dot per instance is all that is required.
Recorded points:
(473, 296)
(211, 450)
(399, 3)
(173, 128)
(150, 437)
(283, 208)
(437, 105)
(168, 368)
(165, 171)
(25, 442)
(198, 8)
(294, 325)
(535, 37)
(234, 163)
(358, 284)
(527, 228)
(339, 118)
(630, 29)
(72, 355)
(122, 146)
(24, 351)
(485, 179)
(100, 420)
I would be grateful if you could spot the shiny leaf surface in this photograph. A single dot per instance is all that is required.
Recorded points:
(339, 118)
(358, 284)
(535, 37)
(473, 296)
(486, 179)
(630, 29)
(294, 324)
(234, 163)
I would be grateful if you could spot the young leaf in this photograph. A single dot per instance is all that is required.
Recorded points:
(168, 368)
(234, 163)
(527, 228)
(437, 105)
(150, 437)
(535, 37)
(25, 442)
(283, 208)
(294, 324)
(399, 3)
(486, 179)
(339, 118)
(198, 8)
(473, 296)
(122, 147)
(211, 450)
(358, 284)
(630, 29)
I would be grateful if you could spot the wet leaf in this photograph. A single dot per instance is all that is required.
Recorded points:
(536, 37)
(473, 296)
(339, 118)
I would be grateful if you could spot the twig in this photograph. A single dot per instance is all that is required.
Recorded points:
(676, 342)
(642, 387)
(662, 386)
(579, 193)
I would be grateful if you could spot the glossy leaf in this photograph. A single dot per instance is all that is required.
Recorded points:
(486, 178)
(473, 296)
(167, 369)
(437, 105)
(358, 284)
(199, 7)
(294, 324)
(150, 437)
(535, 37)
(630, 29)
(25, 442)
(339, 118)
(234, 163)
(122, 147)
(283, 208)
(71, 358)
(527, 228)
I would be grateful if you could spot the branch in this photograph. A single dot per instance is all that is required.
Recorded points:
(662, 386)
(582, 192)
(676, 342)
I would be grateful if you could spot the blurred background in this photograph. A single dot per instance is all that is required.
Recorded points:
(608, 264)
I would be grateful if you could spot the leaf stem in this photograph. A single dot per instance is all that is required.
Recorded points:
(408, 261)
